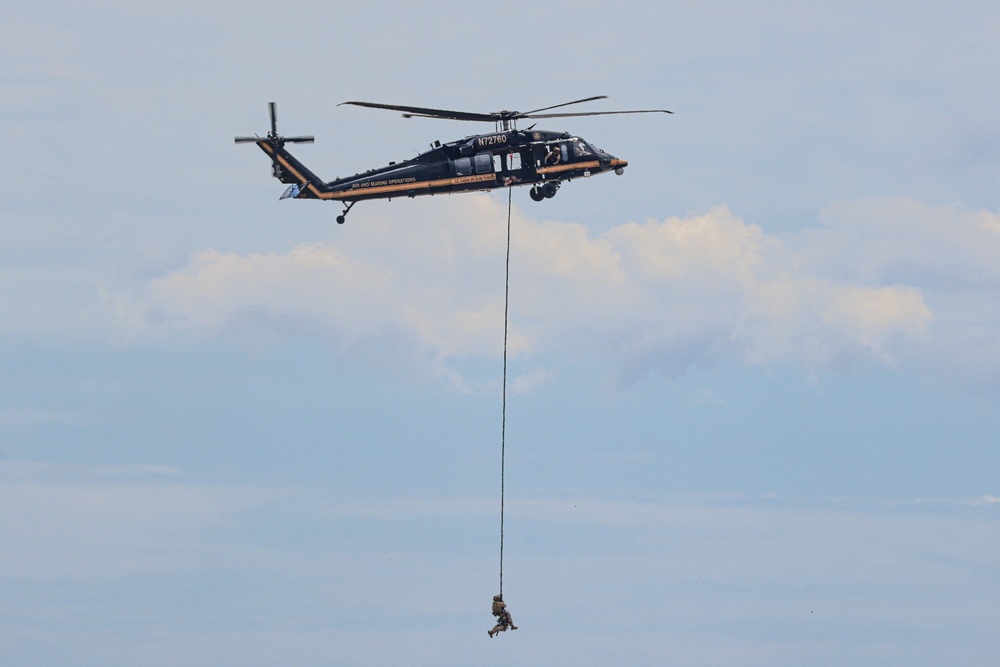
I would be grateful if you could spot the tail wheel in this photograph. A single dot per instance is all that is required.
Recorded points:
(347, 209)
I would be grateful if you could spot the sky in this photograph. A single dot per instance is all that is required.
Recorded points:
(753, 390)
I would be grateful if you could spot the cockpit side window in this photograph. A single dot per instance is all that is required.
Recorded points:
(581, 149)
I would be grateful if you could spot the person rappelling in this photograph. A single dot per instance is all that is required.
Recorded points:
(504, 620)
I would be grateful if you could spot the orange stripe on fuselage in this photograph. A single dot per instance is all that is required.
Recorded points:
(382, 189)
(362, 191)
(569, 167)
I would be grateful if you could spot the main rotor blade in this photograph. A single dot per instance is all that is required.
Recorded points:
(426, 113)
(527, 114)
(247, 140)
(299, 140)
(591, 113)
(274, 117)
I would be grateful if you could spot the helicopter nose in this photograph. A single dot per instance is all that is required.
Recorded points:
(619, 165)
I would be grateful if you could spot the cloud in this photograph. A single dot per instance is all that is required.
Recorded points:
(714, 286)
(886, 240)
(948, 253)
(663, 295)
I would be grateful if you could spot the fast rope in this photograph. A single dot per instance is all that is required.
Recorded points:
(503, 412)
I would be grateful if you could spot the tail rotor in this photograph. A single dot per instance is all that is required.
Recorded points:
(273, 137)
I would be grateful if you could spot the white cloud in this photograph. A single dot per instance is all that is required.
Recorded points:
(884, 240)
(715, 284)
(660, 295)
(948, 253)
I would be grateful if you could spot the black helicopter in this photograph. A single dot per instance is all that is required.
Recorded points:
(505, 157)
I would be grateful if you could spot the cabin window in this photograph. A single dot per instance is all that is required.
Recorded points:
(463, 166)
(515, 161)
(484, 163)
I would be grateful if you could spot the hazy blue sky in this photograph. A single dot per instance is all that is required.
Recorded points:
(754, 382)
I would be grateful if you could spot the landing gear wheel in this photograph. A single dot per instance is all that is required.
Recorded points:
(549, 190)
(536, 194)
(343, 216)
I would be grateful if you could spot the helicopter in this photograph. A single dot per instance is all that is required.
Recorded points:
(505, 157)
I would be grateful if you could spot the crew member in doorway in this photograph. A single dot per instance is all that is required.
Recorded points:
(554, 154)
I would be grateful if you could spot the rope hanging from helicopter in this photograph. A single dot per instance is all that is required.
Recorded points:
(503, 418)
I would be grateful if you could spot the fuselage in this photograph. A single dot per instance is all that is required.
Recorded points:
(479, 162)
